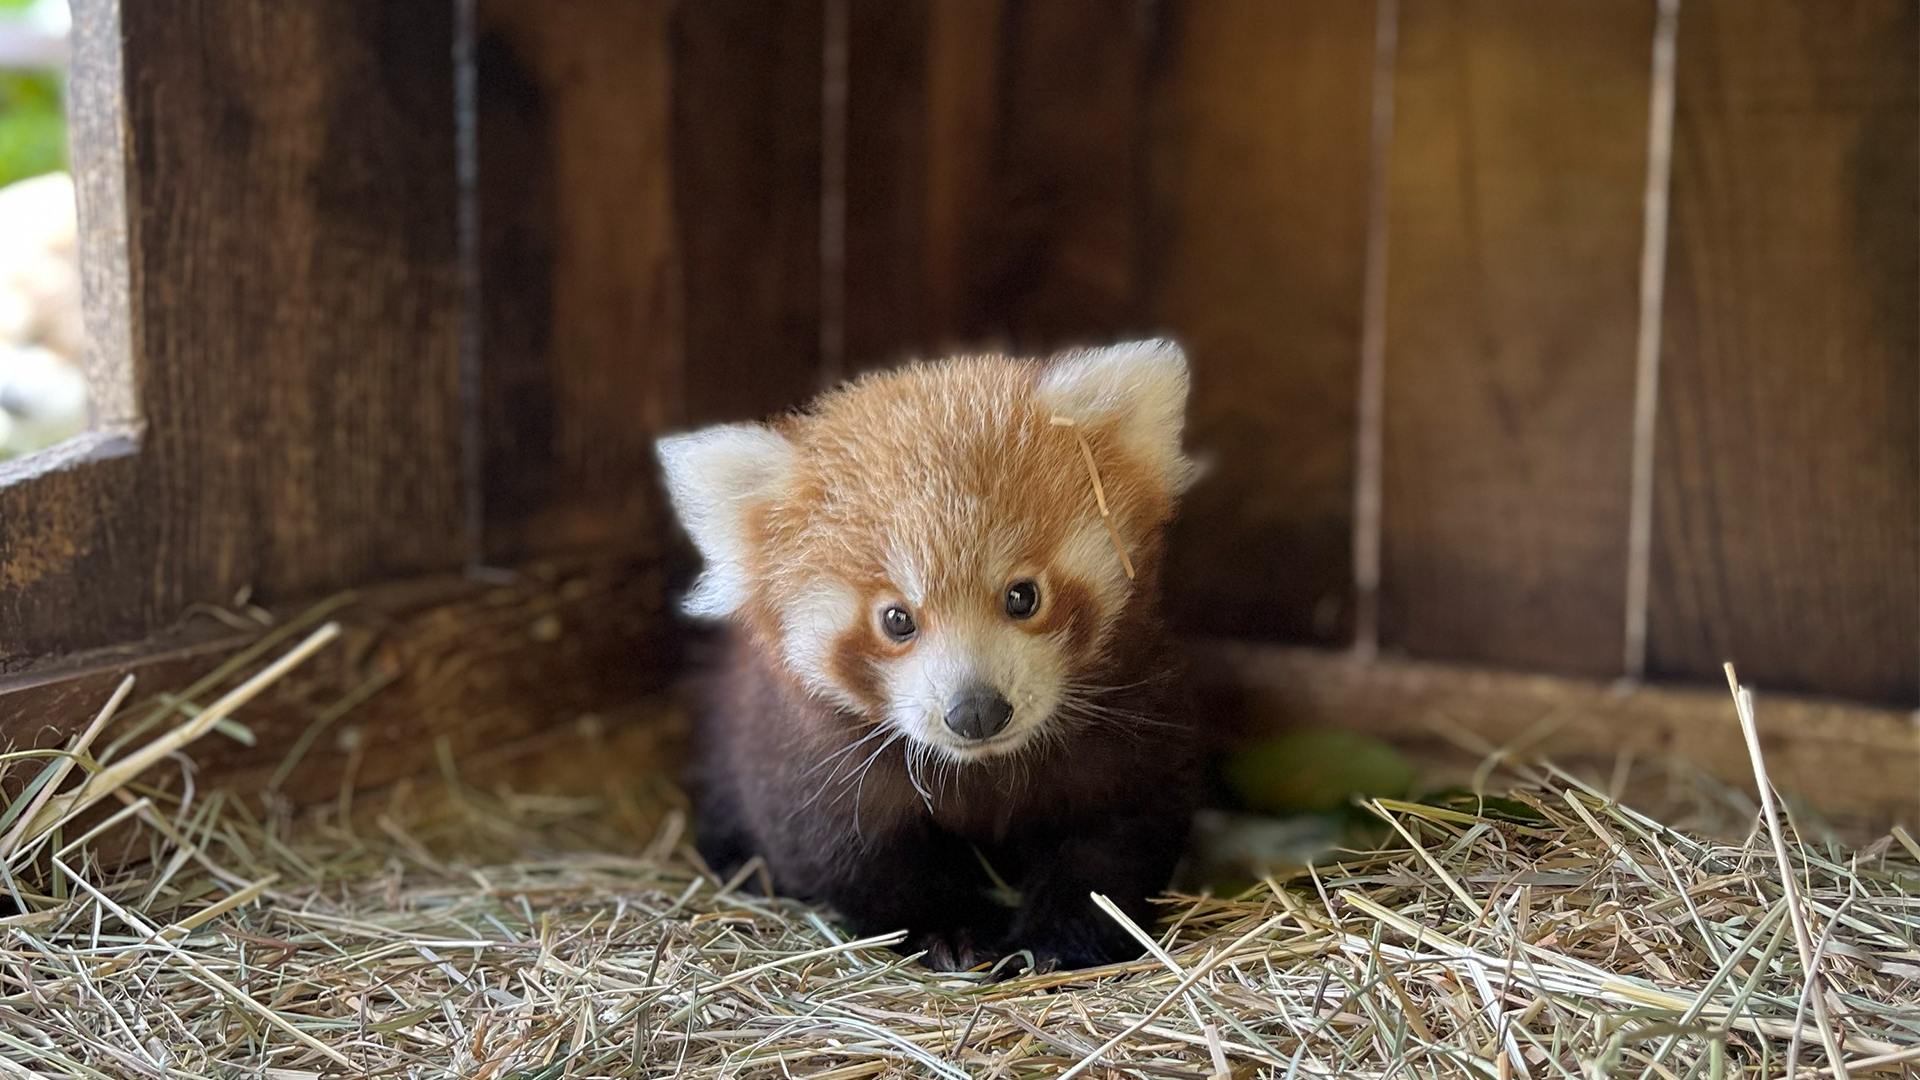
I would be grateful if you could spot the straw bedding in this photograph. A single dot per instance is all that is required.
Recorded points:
(1554, 933)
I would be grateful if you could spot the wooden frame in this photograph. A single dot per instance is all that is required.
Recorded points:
(261, 272)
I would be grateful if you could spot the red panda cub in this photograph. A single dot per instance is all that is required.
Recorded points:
(942, 656)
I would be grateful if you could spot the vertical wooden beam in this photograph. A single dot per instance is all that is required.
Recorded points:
(885, 269)
(97, 136)
(1787, 499)
(746, 164)
(298, 291)
(1519, 164)
(1050, 253)
(995, 175)
(1259, 164)
(581, 345)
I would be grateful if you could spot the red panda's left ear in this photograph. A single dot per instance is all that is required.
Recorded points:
(717, 477)
(1140, 385)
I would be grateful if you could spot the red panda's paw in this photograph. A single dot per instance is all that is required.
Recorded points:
(952, 950)
(1066, 948)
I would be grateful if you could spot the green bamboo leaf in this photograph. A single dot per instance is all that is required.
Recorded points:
(1315, 771)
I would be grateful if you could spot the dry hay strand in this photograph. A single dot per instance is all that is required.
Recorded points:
(1552, 933)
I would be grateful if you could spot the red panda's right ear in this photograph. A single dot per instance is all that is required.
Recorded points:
(1140, 387)
(716, 477)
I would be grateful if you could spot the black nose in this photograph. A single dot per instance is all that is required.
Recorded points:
(978, 712)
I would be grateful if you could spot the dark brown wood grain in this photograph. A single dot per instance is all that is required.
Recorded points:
(1046, 250)
(1516, 190)
(581, 313)
(886, 174)
(293, 318)
(434, 660)
(75, 560)
(1787, 513)
(1032, 176)
(746, 102)
(1259, 153)
(995, 175)
(298, 291)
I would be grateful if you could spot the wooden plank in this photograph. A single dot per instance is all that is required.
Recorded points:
(1787, 495)
(995, 195)
(1259, 162)
(1516, 189)
(73, 567)
(580, 305)
(884, 274)
(437, 659)
(97, 136)
(293, 311)
(746, 164)
(1046, 251)
(299, 301)
(1860, 765)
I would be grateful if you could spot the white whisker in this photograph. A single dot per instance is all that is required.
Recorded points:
(916, 757)
(824, 762)
(861, 786)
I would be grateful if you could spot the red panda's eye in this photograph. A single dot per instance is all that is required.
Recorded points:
(897, 623)
(1023, 599)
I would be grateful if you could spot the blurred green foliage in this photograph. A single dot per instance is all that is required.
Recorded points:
(1315, 772)
(33, 124)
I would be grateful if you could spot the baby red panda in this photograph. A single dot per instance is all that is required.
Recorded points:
(941, 657)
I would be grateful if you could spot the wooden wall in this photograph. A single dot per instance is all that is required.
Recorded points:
(648, 253)
(1514, 189)
(1407, 245)
(372, 328)
(395, 308)
(394, 299)
(284, 304)
(1787, 481)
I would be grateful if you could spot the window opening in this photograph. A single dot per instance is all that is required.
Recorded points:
(44, 396)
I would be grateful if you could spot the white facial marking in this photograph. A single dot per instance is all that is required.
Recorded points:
(904, 569)
(809, 625)
(1025, 668)
(1087, 556)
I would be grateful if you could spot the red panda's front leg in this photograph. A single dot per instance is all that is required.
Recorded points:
(927, 883)
(1127, 857)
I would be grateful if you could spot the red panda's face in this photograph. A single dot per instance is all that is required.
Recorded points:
(925, 549)
(969, 641)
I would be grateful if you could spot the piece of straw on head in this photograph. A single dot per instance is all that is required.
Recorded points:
(1099, 490)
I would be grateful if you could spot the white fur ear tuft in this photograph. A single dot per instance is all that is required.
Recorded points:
(716, 477)
(1140, 384)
